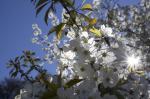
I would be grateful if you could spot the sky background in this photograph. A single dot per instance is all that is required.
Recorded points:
(16, 19)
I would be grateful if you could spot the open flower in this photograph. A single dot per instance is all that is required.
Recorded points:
(109, 79)
(106, 31)
(89, 44)
(67, 57)
(107, 56)
(84, 34)
(84, 70)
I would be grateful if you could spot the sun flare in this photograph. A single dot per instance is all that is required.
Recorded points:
(133, 60)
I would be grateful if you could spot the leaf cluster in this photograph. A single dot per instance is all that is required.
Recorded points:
(23, 65)
(71, 10)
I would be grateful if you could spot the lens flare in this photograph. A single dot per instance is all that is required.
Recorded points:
(133, 60)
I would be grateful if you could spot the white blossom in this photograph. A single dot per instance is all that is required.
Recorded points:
(106, 30)
(121, 66)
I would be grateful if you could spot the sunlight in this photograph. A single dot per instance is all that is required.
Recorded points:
(132, 60)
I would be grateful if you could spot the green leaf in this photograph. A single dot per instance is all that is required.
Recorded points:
(58, 29)
(87, 7)
(52, 86)
(72, 19)
(102, 89)
(72, 82)
(41, 2)
(111, 15)
(53, 29)
(11, 71)
(49, 95)
(107, 40)
(69, 3)
(14, 74)
(119, 95)
(40, 8)
(16, 59)
(46, 15)
(121, 82)
(73, 14)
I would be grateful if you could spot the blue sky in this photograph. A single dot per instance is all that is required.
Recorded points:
(16, 19)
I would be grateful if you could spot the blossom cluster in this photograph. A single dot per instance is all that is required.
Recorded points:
(112, 65)
(100, 65)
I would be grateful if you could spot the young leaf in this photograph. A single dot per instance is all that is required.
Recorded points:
(141, 73)
(86, 7)
(130, 69)
(92, 21)
(59, 30)
(96, 32)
